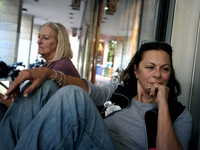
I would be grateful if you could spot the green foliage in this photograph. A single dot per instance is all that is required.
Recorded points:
(111, 52)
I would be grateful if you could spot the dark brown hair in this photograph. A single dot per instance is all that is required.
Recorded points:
(128, 76)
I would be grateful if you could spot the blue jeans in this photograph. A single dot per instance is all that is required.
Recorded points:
(52, 118)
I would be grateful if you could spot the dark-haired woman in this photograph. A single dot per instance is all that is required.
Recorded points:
(142, 113)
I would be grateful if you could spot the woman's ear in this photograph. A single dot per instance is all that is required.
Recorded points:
(135, 71)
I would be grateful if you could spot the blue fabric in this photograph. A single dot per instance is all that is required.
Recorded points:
(54, 119)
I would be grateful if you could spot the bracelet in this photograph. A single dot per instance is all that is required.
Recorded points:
(64, 78)
(55, 75)
(60, 80)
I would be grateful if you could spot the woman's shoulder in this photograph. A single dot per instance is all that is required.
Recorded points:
(66, 66)
(186, 114)
(63, 60)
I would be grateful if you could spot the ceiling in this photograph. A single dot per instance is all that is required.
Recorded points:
(61, 11)
(54, 10)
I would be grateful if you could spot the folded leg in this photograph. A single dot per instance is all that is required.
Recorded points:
(68, 120)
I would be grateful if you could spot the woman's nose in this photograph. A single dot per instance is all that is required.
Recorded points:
(157, 73)
(39, 40)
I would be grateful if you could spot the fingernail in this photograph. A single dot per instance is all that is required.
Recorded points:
(12, 99)
(25, 95)
(150, 93)
(5, 97)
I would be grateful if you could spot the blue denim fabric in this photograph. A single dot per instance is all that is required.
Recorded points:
(54, 119)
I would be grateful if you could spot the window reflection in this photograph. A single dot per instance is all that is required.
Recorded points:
(119, 36)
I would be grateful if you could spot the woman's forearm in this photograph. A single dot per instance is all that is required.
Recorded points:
(63, 80)
(166, 137)
(37, 76)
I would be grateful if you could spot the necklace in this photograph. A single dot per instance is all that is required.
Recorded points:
(49, 65)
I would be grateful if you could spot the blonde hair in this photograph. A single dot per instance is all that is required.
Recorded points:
(63, 49)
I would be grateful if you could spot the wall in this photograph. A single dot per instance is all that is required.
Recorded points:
(34, 46)
(9, 30)
(25, 40)
(184, 37)
(185, 42)
(148, 22)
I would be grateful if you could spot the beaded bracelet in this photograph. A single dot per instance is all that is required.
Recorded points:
(55, 75)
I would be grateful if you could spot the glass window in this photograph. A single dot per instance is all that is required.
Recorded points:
(119, 35)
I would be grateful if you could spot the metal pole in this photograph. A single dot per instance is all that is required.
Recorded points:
(98, 30)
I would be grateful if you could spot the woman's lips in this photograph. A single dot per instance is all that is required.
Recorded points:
(40, 47)
(152, 83)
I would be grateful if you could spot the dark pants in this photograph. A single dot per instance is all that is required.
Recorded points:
(3, 109)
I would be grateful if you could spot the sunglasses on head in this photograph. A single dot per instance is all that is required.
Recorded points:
(143, 42)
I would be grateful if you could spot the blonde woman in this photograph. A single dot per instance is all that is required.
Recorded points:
(54, 47)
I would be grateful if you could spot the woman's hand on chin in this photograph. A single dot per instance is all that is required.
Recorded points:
(160, 93)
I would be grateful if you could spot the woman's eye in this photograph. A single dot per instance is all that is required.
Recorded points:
(150, 68)
(166, 69)
(46, 38)
(38, 36)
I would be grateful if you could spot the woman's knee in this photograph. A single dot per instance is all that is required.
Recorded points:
(73, 91)
(73, 95)
(48, 85)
